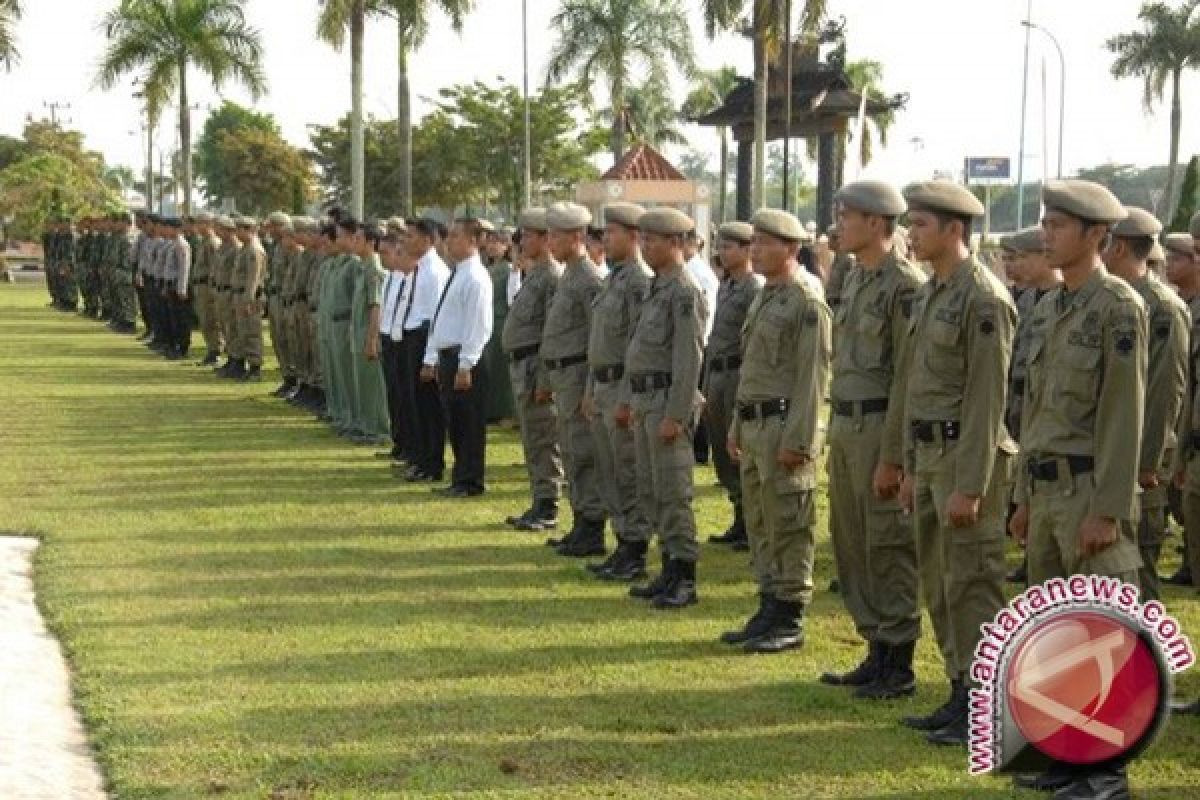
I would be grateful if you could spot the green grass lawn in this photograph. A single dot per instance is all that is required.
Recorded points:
(254, 608)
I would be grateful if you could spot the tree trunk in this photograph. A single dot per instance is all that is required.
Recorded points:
(617, 92)
(758, 192)
(185, 139)
(1167, 213)
(724, 182)
(404, 121)
(357, 157)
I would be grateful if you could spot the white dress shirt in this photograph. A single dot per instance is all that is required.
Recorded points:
(464, 318)
(813, 281)
(422, 291)
(389, 314)
(709, 284)
(514, 284)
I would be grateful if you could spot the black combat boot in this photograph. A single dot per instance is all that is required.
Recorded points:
(1097, 783)
(786, 631)
(238, 369)
(954, 732)
(1056, 776)
(1182, 577)
(866, 672)
(680, 591)
(1020, 574)
(253, 373)
(284, 388)
(627, 563)
(515, 520)
(658, 585)
(758, 624)
(542, 517)
(941, 716)
(209, 359)
(735, 535)
(589, 542)
(225, 369)
(570, 536)
(895, 678)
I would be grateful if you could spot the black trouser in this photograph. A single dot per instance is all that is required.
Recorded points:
(466, 420)
(142, 307)
(154, 308)
(391, 358)
(422, 405)
(179, 311)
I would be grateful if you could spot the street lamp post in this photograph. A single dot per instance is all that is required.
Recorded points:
(149, 152)
(1021, 150)
(1062, 87)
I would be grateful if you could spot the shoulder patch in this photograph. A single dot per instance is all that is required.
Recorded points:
(987, 326)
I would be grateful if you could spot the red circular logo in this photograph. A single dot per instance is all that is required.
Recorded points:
(1083, 687)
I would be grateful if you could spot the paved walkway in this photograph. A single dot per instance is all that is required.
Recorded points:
(43, 752)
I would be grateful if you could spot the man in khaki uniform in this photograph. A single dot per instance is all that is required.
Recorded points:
(124, 266)
(1187, 478)
(564, 358)
(723, 360)
(617, 308)
(1082, 424)
(1166, 380)
(295, 312)
(221, 279)
(247, 304)
(278, 226)
(663, 363)
(872, 540)
(776, 434)
(521, 341)
(204, 276)
(958, 454)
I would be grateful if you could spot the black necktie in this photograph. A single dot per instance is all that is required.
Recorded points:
(412, 293)
(442, 299)
(395, 308)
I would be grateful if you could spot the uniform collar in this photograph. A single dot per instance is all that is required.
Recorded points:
(958, 275)
(1082, 295)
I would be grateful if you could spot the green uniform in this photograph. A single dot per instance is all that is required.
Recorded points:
(221, 279)
(1166, 385)
(124, 293)
(722, 372)
(277, 265)
(1187, 454)
(872, 539)
(614, 317)
(564, 358)
(780, 396)
(339, 297)
(961, 344)
(521, 339)
(500, 389)
(247, 285)
(663, 363)
(839, 270)
(1019, 365)
(318, 266)
(204, 295)
(295, 313)
(368, 393)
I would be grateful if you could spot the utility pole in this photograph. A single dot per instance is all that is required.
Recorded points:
(527, 190)
(787, 105)
(54, 108)
(1024, 100)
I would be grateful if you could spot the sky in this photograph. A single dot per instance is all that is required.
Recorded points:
(959, 60)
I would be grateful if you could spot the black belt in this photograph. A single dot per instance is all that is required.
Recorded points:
(928, 431)
(1047, 469)
(649, 382)
(522, 353)
(608, 374)
(763, 410)
(450, 352)
(847, 408)
(722, 364)
(569, 361)
(340, 316)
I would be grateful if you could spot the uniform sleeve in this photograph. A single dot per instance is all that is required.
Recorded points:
(891, 449)
(1166, 383)
(1119, 412)
(802, 429)
(989, 337)
(687, 351)
(541, 376)
(636, 293)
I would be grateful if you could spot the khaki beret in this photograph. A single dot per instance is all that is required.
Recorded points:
(486, 226)
(1194, 225)
(627, 214)
(532, 219)
(1157, 254)
(1138, 223)
(567, 217)
(1085, 200)
(779, 223)
(225, 221)
(944, 196)
(1024, 241)
(280, 219)
(740, 232)
(666, 222)
(1181, 243)
(246, 222)
(397, 225)
(204, 216)
(872, 197)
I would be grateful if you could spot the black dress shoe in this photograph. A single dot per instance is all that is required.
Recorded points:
(1191, 709)
(1182, 577)
(458, 491)
(1056, 776)
(1097, 783)
(866, 672)
(953, 734)
(757, 625)
(940, 716)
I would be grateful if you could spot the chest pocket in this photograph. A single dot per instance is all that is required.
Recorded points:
(654, 327)
(609, 310)
(871, 345)
(564, 315)
(772, 332)
(944, 353)
(1080, 373)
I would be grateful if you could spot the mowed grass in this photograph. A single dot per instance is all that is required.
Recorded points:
(256, 609)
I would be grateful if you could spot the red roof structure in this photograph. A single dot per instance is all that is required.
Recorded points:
(643, 163)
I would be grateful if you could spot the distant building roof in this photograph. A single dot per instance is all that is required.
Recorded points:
(643, 163)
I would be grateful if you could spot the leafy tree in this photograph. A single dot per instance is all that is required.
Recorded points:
(10, 12)
(708, 92)
(650, 115)
(1188, 197)
(48, 183)
(610, 40)
(265, 173)
(163, 39)
(1167, 46)
(12, 150)
(211, 170)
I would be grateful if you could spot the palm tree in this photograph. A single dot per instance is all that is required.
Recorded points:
(766, 28)
(708, 92)
(612, 39)
(163, 38)
(650, 115)
(1168, 44)
(10, 12)
(412, 23)
(337, 17)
